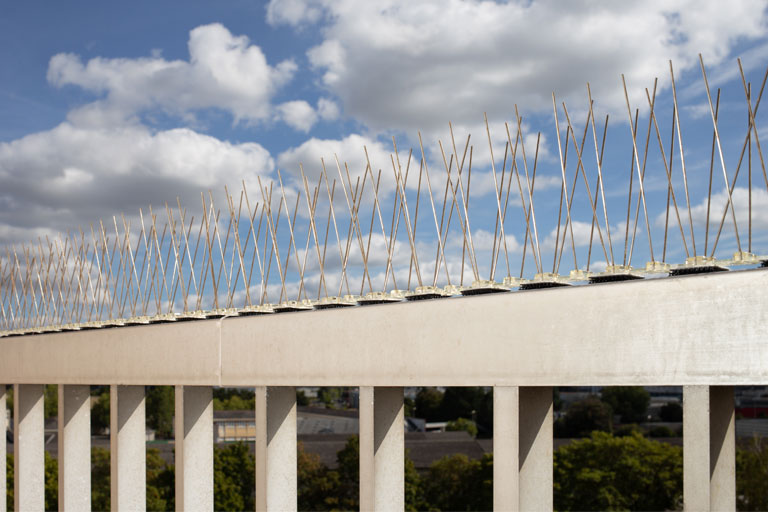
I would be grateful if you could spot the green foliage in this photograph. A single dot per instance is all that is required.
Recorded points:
(329, 396)
(100, 414)
(100, 478)
(301, 398)
(161, 493)
(9, 482)
(51, 483)
(159, 410)
(409, 406)
(584, 417)
(457, 483)
(233, 399)
(427, 404)
(628, 430)
(629, 402)
(51, 401)
(661, 431)
(317, 485)
(671, 412)
(464, 402)
(618, 473)
(9, 400)
(233, 478)
(752, 476)
(462, 424)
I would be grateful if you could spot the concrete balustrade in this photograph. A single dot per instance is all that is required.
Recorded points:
(194, 448)
(651, 332)
(28, 442)
(709, 448)
(74, 447)
(276, 449)
(128, 447)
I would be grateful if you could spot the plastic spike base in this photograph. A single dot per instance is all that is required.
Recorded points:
(261, 309)
(697, 265)
(545, 280)
(426, 293)
(742, 258)
(293, 305)
(483, 287)
(335, 302)
(615, 273)
(578, 276)
(381, 297)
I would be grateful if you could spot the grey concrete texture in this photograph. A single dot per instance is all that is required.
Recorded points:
(709, 329)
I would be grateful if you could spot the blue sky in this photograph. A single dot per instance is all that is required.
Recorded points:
(107, 107)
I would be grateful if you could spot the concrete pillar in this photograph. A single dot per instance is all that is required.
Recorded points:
(709, 448)
(194, 447)
(506, 448)
(367, 465)
(128, 440)
(3, 428)
(536, 448)
(696, 448)
(28, 447)
(388, 448)
(722, 449)
(74, 448)
(276, 485)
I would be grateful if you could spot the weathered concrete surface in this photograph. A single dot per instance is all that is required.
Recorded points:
(707, 329)
(74, 408)
(388, 449)
(28, 444)
(193, 450)
(128, 448)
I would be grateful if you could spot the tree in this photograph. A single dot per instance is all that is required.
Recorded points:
(457, 483)
(100, 414)
(161, 493)
(301, 398)
(100, 478)
(462, 424)
(160, 410)
(234, 478)
(51, 401)
(584, 417)
(671, 412)
(51, 483)
(629, 402)
(618, 473)
(427, 404)
(317, 486)
(752, 476)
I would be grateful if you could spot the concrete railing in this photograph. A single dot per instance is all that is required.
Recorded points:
(706, 333)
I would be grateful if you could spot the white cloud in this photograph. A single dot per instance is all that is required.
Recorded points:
(350, 149)
(327, 109)
(407, 65)
(73, 175)
(298, 114)
(224, 71)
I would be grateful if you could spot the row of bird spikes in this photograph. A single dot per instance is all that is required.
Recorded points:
(167, 266)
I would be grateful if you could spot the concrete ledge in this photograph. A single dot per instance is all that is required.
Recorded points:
(703, 329)
(184, 353)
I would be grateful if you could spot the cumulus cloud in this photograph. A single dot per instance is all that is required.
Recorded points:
(224, 71)
(409, 65)
(297, 114)
(73, 175)
(350, 149)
